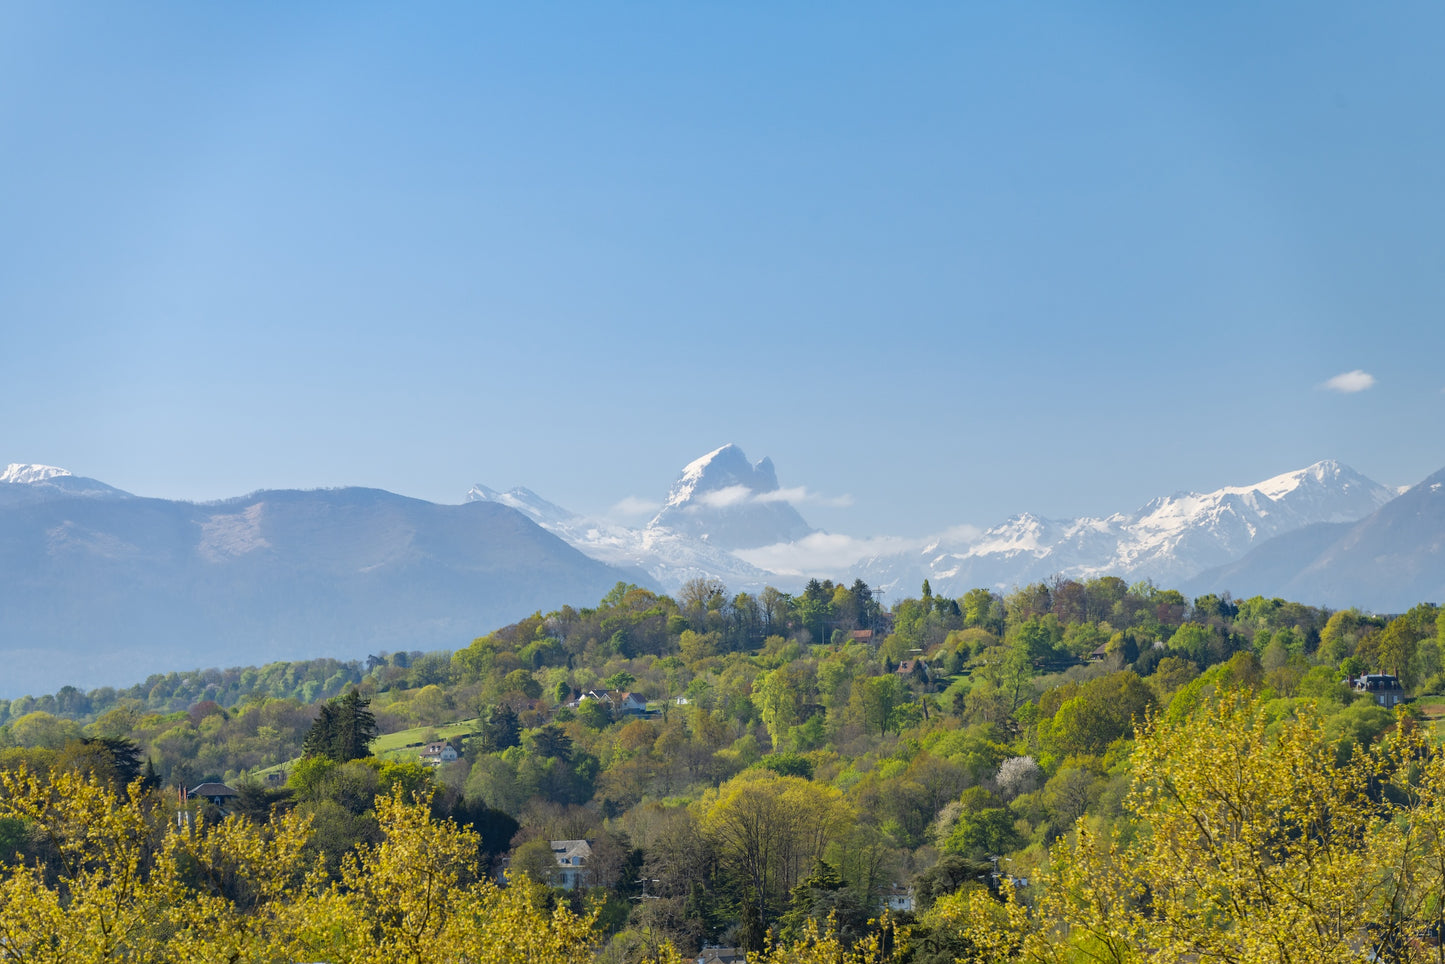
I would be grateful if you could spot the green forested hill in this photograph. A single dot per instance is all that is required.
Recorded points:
(912, 752)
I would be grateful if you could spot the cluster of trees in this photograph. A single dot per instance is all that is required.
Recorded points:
(121, 879)
(1249, 832)
(790, 772)
(306, 681)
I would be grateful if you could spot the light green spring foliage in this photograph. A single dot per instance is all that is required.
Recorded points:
(1246, 840)
(128, 883)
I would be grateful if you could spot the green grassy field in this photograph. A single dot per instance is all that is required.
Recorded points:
(1432, 708)
(398, 744)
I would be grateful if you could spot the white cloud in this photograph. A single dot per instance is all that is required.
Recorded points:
(632, 507)
(795, 494)
(798, 495)
(741, 495)
(729, 496)
(825, 554)
(1350, 382)
(960, 533)
(821, 553)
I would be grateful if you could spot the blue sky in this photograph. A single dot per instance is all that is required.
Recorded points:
(941, 262)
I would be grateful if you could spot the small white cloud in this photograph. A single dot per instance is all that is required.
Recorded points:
(1350, 382)
(821, 553)
(799, 495)
(729, 496)
(795, 494)
(632, 507)
(824, 554)
(961, 533)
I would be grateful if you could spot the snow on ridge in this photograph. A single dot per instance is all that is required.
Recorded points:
(670, 558)
(480, 493)
(1288, 482)
(525, 501)
(21, 473)
(695, 471)
(692, 471)
(1168, 538)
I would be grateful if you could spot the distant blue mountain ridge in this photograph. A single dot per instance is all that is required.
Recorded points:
(99, 587)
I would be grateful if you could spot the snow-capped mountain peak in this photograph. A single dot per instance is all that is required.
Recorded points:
(1325, 473)
(668, 557)
(722, 468)
(525, 501)
(1167, 539)
(720, 502)
(23, 483)
(20, 473)
(727, 501)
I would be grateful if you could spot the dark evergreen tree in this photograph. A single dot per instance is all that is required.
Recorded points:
(495, 827)
(344, 730)
(112, 758)
(824, 898)
(500, 730)
(552, 741)
(319, 738)
(950, 873)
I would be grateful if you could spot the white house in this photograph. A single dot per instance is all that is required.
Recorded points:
(435, 754)
(897, 898)
(616, 702)
(630, 703)
(571, 857)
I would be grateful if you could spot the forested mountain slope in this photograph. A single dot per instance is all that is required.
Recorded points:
(1386, 562)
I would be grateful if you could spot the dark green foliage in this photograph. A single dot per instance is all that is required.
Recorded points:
(14, 838)
(619, 681)
(495, 827)
(257, 801)
(344, 730)
(822, 897)
(551, 742)
(499, 731)
(952, 871)
(124, 755)
(787, 765)
(111, 759)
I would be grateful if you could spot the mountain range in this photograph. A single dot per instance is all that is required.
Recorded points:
(101, 586)
(98, 586)
(722, 504)
(1388, 561)
(1169, 539)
